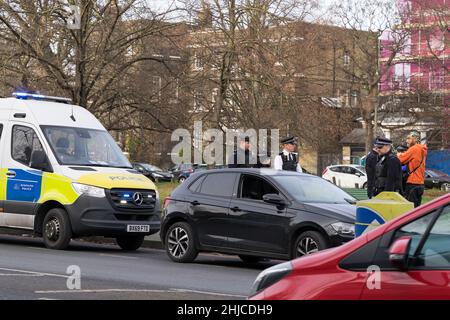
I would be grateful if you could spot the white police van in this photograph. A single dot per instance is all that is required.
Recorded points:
(63, 176)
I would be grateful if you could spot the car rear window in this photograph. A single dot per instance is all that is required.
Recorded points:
(218, 184)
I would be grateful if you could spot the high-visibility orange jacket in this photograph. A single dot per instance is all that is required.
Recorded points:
(415, 157)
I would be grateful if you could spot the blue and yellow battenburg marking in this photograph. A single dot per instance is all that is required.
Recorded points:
(38, 187)
(378, 210)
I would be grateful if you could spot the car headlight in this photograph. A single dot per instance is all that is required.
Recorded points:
(270, 276)
(88, 190)
(343, 228)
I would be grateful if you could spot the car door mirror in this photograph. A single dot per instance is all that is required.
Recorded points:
(39, 161)
(274, 198)
(399, 253)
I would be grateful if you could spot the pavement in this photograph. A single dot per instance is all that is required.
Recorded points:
(30, 271)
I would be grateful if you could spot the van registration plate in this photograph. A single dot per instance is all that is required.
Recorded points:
(138, 228)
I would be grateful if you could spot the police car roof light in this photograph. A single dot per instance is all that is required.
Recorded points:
(34, 96)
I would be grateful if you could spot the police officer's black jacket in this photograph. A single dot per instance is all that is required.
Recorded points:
(371, 164)
(388, 173)
(248, 157)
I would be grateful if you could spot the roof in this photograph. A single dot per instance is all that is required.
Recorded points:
(357, 137)
(49, 113)
(262, 171)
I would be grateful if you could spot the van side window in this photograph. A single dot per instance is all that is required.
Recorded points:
(24, 142)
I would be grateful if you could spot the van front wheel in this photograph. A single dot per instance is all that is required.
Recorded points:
(130, 243)
(57, 231)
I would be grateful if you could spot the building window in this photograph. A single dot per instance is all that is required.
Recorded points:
(156, 87)
(198, 62)
(346, 58)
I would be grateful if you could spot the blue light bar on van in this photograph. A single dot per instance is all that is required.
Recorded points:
(35, 96)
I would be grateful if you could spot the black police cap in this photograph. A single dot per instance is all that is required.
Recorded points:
(289, 140)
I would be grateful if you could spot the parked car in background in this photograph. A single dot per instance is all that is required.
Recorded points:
(152, 172)
(437, 179)
(346, 176)
(182, 171)
(407, 258)
(255, 213)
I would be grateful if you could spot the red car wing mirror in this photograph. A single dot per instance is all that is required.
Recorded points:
(399, 253)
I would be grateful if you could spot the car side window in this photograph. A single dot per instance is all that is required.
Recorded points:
(24, 142)
(218, 184)
(377, 251)
(416, 230)
(255, 188)
(195, 186)
(435, 253)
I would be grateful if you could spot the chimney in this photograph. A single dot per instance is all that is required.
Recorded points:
(204, 16)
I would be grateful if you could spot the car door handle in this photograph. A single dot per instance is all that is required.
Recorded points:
(11, 174)
(195, 203)
(235, 209)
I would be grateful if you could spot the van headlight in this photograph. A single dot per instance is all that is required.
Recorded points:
(271, 276)
(343, 228)
(88, 190)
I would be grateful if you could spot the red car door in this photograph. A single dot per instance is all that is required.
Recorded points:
(428, 270)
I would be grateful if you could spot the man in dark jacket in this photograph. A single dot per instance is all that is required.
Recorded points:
(242, 156)
(388, 169)
(371, 164)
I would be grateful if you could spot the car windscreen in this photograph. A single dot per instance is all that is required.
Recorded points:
(361, 168)
(313, 189)
(437, 173)
(84, 147)
(150, 167)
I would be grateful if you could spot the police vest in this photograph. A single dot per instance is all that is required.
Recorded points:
(289, 165)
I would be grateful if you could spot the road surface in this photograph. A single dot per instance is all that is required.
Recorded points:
(30, 271)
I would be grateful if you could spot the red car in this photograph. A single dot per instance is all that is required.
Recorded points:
(406, 258)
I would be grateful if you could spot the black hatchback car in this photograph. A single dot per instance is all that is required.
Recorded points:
(255, 213)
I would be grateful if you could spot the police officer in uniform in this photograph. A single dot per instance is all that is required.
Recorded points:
(388, 168)
(249, 161)
(371, 164)
(288, 159)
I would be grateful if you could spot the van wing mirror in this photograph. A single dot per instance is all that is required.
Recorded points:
(399, 253)
(39, 161)
(274, 198)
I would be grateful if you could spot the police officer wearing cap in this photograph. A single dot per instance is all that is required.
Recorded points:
(388, 168)
(371, 164)
(249, 160)
(288, 159)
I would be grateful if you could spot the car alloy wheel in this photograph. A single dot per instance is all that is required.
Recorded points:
(307, 246)
(178, 242)
(445, 186)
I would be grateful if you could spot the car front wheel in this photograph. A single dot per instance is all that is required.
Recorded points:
(309, 242)
(180, 245)
(56, 229)
(445, 186)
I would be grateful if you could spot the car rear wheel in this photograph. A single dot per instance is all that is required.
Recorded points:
(309, 242)
(250, 259)
(364, 185)
(130, 243)
(181, 179)
(180, 245)
(56, 229)
(445, 186)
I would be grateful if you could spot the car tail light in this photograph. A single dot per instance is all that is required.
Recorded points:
(166, 202)
(324, 171)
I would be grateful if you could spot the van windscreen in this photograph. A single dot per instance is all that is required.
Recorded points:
(84, 147)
